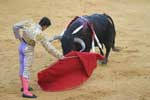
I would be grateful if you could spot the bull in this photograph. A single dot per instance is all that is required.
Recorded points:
(82, 30)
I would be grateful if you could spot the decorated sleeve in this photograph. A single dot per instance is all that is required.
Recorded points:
(16, 29)
(49, 47)
(56, 37)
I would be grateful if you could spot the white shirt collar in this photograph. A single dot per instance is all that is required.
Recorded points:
(39, 26)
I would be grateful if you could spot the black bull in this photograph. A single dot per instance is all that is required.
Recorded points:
(103, 26)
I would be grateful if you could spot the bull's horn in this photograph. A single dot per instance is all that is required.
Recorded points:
(81, 42)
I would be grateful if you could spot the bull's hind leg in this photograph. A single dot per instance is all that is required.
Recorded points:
(108, 48)
(114, 48)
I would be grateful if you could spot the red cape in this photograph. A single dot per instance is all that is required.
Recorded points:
(69, 72)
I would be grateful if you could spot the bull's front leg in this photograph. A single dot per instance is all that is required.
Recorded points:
(101, 52)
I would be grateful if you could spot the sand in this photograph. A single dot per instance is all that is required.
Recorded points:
(125, 77)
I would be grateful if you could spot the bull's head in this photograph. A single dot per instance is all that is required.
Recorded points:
(72, 43)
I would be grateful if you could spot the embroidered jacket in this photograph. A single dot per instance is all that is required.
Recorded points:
(32, 33)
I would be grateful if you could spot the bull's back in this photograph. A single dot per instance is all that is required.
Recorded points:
(99, 21)
(102, 27)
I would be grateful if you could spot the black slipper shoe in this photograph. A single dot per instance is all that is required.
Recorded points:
(29, 89)
(27, 96)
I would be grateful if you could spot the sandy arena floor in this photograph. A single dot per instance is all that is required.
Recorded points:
(125, 77)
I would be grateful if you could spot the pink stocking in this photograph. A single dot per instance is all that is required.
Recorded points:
(26, 86)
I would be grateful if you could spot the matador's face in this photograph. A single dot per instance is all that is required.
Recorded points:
(44, 28)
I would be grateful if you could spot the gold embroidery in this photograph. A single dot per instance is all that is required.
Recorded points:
(28, 40)
(39, 37)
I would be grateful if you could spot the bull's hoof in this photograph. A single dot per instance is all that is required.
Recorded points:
(104, 61)
(116, 49)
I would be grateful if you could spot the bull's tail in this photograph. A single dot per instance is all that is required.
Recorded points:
(114, 30)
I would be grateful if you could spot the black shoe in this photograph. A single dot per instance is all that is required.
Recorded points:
(27, 96)
(29, 89)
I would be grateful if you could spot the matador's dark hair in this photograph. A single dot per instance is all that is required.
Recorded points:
(45, 22)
